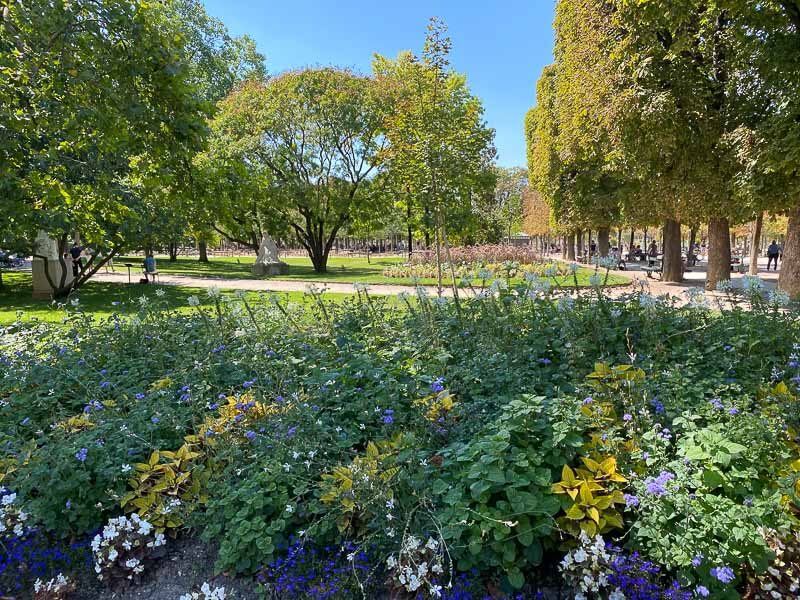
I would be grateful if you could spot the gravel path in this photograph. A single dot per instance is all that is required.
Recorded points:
(693, 279)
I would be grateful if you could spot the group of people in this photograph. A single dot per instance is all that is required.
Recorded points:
(78, 256)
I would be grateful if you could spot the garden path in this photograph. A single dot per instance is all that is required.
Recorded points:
(694, 279)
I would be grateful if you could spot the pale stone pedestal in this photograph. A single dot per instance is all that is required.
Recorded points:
(41, 287)
(274, 268)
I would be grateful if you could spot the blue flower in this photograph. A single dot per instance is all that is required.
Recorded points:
(82, 454)
(104, 385)
(697, 560)
(631, 500)
(627, 417)
(248, 384)
(250, 435)
(587, 400)
(139, 396)
(733, 411)
(723, 574)
(702, 591)
(154, 419)
(658, 485)
(26, 420)
(438, 385)
(545, 361)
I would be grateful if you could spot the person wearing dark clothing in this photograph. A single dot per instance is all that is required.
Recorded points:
(75, 253)
(772, 254)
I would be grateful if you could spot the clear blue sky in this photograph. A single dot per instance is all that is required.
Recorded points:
(501, 45)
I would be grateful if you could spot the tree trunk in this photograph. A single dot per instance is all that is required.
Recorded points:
(571, 246)
(789, 279)
(564, 246)
(202, 250)
(173, 252)
(602, 241)
(719, 253)
(672, 264)
(579, 243)
(755, 240)
(692, 242)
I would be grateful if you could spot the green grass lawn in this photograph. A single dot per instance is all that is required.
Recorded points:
(340, 269)
(102, 299)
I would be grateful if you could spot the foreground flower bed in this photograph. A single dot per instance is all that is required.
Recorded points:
(515, 445)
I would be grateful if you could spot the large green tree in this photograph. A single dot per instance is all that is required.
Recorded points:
(440, 149)
(92, 94)
(314, 137)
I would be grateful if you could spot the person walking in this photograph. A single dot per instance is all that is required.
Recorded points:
(75, 252)
(773, 252)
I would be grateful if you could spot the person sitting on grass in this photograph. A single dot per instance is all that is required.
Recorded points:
(148, 266)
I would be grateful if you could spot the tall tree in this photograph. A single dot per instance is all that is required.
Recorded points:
(92, 94)
(315, 136)
(440, 148)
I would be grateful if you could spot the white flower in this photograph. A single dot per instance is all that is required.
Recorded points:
(616, 595)
(74, 302)
(213, 292)
(436, 591)
(8, 499)
(193, 301)
(126, 468)
(391, 562)
(143, 300)
(289, 508)
(431, 544)
(579, 555)
(160, 293)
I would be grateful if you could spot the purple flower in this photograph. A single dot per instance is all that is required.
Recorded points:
(214, 406)
(793, 364)
(717, 403)
(657, 405)
(26, 420)
(631, 500)
(388, 419)
(733, 411)
(658, 485)
(702, 591)
(82, 454)
(248, 384)
(723, 574)
(68, 504)
(104, 385)
(139, 396)
(645, 455)
(185, 388)
(627, 417)
(291, 431)
(154, 419)
(184, 397)
(218, 349)
(103, 371)
(250, 435)
(545, 361)
(587, 400)
(697, 560)
(438, 385)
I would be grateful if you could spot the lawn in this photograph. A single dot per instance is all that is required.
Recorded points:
(103, 299)
(340, 269)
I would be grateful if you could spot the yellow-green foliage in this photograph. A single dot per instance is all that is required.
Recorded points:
(167, 477)
(235, 407)
(591, 497)
(613, 379)
(344, 483)
(436, 405)
(75, 424)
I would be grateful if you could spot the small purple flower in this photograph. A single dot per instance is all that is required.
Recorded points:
(82, 454)
(587, 400)
(104, 385)
(657, 486)
(26, 420)
(545, 361)
(733, 411)
(154, 419)
(291, 431)
(697, 560)
(185, 397)
(627, 417)
(388, 419)
(221, 396)
(645, 455)
(68, 504)
(218, 349)
(250, 435)
(438, 385)
(631, 501)
(214, 406)
(103, 371)
(723, 574)
(185, 388)
(793, 364)
(657, 405)
(248, 384)
(727, 347)
(139, 396)
(702, 591)
(717, 403)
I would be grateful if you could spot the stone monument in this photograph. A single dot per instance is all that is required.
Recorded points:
(46, 253)
(267, 262)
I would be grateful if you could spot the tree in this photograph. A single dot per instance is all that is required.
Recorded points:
(440, 149)
(500, 212)
(92, 95)
(314, 135)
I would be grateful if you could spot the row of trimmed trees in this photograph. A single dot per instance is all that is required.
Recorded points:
(657, 113)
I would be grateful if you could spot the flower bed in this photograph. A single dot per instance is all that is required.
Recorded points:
(522, 444)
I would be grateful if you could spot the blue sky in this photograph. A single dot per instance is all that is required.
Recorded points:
(501, 45)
